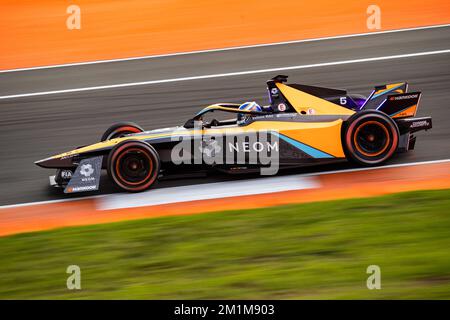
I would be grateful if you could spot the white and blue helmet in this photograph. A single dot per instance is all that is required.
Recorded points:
(249, 106)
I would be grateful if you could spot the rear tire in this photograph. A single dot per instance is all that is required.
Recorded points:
(370, 138)
(133, 165)
(121, 129)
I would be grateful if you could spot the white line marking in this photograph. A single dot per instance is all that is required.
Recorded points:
(398, 165)
(215, 190)
(202, 186)
(38, 203)
(230, 74)
(226, 49)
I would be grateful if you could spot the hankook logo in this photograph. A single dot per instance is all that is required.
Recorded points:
(410, 96)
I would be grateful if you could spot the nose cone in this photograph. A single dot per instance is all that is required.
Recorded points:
(45, 163)
(55, 162)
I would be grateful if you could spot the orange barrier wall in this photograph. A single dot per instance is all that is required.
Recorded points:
(34, 32)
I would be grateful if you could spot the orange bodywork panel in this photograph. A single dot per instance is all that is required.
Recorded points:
(324, 136)
(410, 112)
(305, 103)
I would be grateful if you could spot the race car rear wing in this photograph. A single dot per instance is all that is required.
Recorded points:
(380, 93)
(401, 105)
(394, 100)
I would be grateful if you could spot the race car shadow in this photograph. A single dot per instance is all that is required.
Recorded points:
(107, 187)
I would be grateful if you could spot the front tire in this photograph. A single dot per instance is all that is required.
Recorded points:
(121, 129)
(133, 165)
(370, 138)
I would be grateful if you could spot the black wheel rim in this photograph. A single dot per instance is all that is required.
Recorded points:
(134, 166)
(372, 138)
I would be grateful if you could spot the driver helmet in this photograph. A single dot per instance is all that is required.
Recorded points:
(250, 106)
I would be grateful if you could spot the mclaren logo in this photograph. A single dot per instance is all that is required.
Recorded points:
(66, 174)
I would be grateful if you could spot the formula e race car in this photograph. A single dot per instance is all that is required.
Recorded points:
(302, 125)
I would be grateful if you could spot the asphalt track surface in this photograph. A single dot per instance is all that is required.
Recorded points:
(33, 128)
